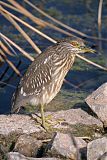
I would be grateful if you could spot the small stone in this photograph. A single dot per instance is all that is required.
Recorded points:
(64, 145)
(18, 156)
(97, 101)
(96, 149)
(27, 145)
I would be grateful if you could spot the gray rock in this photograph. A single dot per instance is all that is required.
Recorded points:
(24, 124)
(72, 117)
(98, 102)
(96, 149)
(18, 156)
(65, 145)
(28, 146)
(18, 124)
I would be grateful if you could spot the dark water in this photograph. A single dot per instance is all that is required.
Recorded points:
(80, 14)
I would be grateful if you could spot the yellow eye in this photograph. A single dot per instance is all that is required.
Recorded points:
(74, 43)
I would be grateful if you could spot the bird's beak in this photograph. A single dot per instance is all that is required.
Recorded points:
(87, 50)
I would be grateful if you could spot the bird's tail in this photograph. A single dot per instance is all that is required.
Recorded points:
(15, 107)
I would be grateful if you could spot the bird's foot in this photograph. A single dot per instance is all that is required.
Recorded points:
(48, 123)
(51, 120)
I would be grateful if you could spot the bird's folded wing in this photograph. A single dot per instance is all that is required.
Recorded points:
(37, 77)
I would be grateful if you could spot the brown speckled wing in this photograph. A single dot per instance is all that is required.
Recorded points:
(38, 75)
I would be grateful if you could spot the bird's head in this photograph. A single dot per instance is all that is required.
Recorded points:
(78, 45)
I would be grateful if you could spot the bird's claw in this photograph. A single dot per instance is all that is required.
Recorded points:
(49, 122)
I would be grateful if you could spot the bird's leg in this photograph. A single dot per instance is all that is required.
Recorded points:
(42, 115)
(45, 120)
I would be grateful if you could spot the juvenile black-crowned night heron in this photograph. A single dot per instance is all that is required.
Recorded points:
(45, 75)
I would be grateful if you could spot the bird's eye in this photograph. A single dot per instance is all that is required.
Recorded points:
(74, 43)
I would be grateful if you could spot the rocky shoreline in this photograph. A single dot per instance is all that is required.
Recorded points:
(74, 134)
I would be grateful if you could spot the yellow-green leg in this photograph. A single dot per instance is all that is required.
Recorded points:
(46, 123)
(42, 115)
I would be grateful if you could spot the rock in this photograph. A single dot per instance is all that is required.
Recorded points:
(28, 146)
(97, 149)
(18, 124)
(77, 120)
(68, 119)
(97, 101)
(66, 146)
(24, 124)
(18, 156)
(75, 116)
